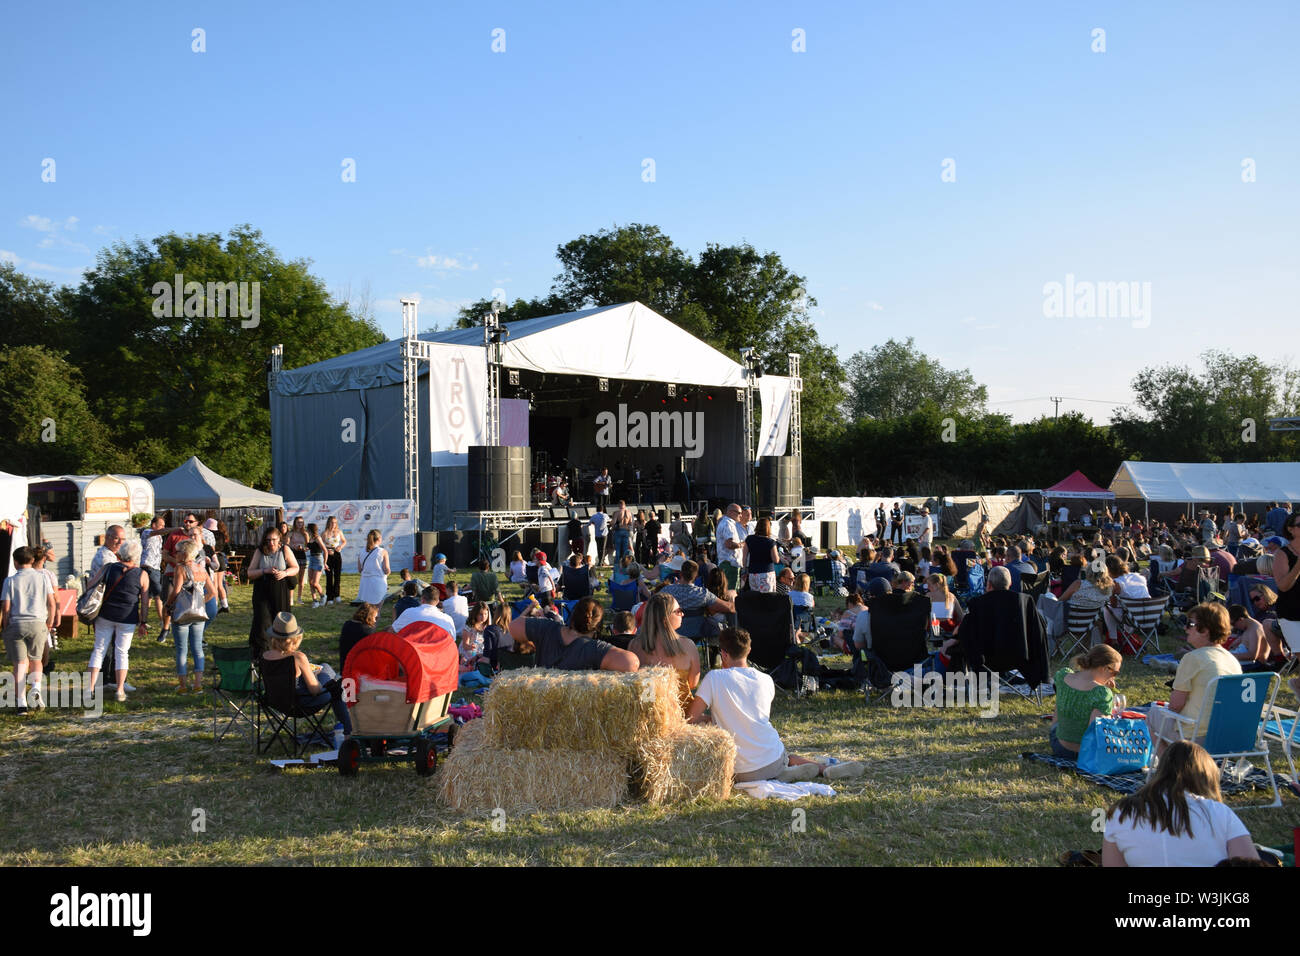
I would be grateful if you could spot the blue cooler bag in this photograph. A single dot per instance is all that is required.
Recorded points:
(1115, 745)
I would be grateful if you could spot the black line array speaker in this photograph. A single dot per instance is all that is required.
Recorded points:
(498, 478)
(780, 482)
(828, 534)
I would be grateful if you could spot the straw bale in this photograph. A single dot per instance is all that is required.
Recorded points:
(531, 709)
(687, 763)
(478, 777)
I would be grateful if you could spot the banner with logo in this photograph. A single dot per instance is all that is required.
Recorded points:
(394, 518)
(457, 402)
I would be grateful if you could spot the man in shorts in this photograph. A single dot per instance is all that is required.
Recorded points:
(27, 612)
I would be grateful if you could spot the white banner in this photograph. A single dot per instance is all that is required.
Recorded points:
(855, 517)
(394, 518)
(457, 402)
(774, 423)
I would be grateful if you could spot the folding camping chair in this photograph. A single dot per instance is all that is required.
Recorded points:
(822, 574)
(1080, 622)
(1035, 585)
(622, 597)
(769, 619)
(234, 695)
(1283, 725)
(1143, 616)
(900, 639)
(974, 581)
(277, 703)
(1233, 716)
(575, 583)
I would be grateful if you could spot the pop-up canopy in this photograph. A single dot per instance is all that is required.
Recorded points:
(195, 485)
(1076, 486)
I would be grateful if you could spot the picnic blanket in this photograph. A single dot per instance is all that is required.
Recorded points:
(761, 789)
(1256, 779)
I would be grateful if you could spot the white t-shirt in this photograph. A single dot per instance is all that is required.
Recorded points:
(740, 700)
(426, 612)
(599, 524)
(1063, 514)
(802, 599)
(457, 608)
(518, 572)
(729, 530)
(1133, 585)
(1212, 824)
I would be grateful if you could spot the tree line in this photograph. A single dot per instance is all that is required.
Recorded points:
(131, 370)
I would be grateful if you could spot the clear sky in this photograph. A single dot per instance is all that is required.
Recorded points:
(473, 165)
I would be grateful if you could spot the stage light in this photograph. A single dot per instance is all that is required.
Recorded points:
(685, 399)
(663, 401)
(514, 376)
(708, 397)
(604, 384)
(672, 391)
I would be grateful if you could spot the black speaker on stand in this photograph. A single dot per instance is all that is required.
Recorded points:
(498, 478)
(828, 535)
(780, 482)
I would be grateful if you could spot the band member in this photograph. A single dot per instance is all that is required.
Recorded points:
(604, 484)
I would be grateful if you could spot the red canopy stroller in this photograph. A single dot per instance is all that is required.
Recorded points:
(399, 688)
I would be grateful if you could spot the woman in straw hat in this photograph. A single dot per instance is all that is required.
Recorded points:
(317, 684)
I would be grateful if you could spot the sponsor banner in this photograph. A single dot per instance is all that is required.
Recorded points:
(457, 400)
(393, 517)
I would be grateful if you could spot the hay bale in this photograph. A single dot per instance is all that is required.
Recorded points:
(685, 764)
(581, 710)
(478, 777)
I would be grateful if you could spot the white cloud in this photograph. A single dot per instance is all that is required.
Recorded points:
(444, 263)
(54, 230)
(875, 307)
(31, 265)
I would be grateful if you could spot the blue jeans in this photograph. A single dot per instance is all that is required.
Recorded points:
(622, 540)
(1057, 749)
(310, 703)
(189, 637)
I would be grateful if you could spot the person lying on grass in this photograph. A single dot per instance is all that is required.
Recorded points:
(738, 699)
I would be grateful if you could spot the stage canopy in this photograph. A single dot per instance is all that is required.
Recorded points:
(1076, 486)
(195, 485)
(1261, 481)
(572, 369)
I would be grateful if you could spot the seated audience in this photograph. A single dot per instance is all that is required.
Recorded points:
(1178, 818)
(738, 699)
(1082, 695)
(317, 684)
(573, 646)
(623, 629)
(1207, 631)
(361, 625)
(657, 643)
(427, 611)
(484, 583)
(410, 598)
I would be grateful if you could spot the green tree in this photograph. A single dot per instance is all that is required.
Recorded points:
(47, 424)
(176, 381)
(1212, 414)
(32, 311)
(891, 379)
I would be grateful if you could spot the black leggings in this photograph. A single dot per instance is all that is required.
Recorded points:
(333, 570)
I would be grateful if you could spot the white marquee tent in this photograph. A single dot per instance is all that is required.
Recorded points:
(13, 511)
(1190, 483)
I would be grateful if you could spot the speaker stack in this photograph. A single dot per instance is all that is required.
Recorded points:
(828, 534)
(498, 478)
(780, 482)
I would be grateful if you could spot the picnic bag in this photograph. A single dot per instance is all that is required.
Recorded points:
(1114, 745)
(89, 604)
(189, 607)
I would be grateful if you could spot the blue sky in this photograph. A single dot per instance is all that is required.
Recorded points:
(472, 165)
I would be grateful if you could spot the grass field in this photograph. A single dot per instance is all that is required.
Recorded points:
(943, 787)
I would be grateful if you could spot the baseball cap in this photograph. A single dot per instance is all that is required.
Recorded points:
(541, 556)
(878, 587)
(440, 557)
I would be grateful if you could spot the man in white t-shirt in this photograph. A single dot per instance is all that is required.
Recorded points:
(107, 553)
(739, 700)
(427, 611)
(600, 533)
(457, 608)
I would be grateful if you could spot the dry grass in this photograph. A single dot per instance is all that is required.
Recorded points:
(942, 788)
(685, 764)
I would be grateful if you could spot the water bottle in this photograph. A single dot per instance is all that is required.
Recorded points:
(338, 736)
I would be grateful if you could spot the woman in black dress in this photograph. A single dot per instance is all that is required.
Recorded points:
(272, 570)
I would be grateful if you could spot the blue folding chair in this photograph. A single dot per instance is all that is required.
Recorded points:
(622, 597)
(1233, 719)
